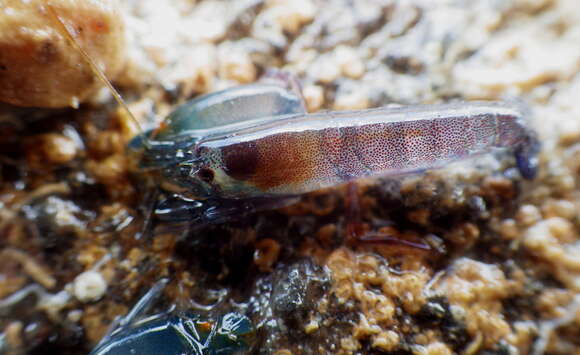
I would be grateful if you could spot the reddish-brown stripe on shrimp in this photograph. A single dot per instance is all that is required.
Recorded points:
(274, 160)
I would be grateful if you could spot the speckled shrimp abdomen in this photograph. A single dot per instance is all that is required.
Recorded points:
(301, 153)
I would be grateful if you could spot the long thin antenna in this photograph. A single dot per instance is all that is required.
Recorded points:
(94, 67)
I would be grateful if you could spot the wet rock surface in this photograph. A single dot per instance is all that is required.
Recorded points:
(503, 274)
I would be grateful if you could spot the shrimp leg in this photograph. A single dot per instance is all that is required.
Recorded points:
(175, 208)
(357, 231)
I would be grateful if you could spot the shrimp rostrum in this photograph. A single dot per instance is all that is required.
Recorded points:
(255, 147)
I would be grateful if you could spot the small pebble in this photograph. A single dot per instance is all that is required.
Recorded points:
(528, 215)
(314, 97)
(509, 229)
(110, 170)
(293, 14)
(356, 99)
(349, 62)
(311, 327)
(559, 208)
(437, 349)
(387, 341)
(266, 254)
(74, 316)
(50, 148)
(325, 69)
(89, 286)
(235, 64)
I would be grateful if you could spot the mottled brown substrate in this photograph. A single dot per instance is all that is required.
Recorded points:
(503, 275)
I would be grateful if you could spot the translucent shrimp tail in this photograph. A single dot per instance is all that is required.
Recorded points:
(522, 138)
(94, 67)
(526, 154)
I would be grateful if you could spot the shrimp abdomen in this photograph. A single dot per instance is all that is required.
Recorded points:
(393, 148)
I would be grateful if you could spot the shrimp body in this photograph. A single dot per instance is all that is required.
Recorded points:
(259, 152)
(298, 153)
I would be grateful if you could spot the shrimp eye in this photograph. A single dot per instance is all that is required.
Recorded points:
(206, 174)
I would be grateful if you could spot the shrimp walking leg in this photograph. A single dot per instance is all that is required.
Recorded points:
(358, 232)
(175, 208)
(354, 227)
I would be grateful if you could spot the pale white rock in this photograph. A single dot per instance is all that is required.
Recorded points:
(89, 286)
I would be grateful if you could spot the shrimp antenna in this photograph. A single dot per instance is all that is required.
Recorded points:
(94, 67)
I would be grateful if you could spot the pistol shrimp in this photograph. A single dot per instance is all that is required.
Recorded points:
(262, 158)
(255, 147)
